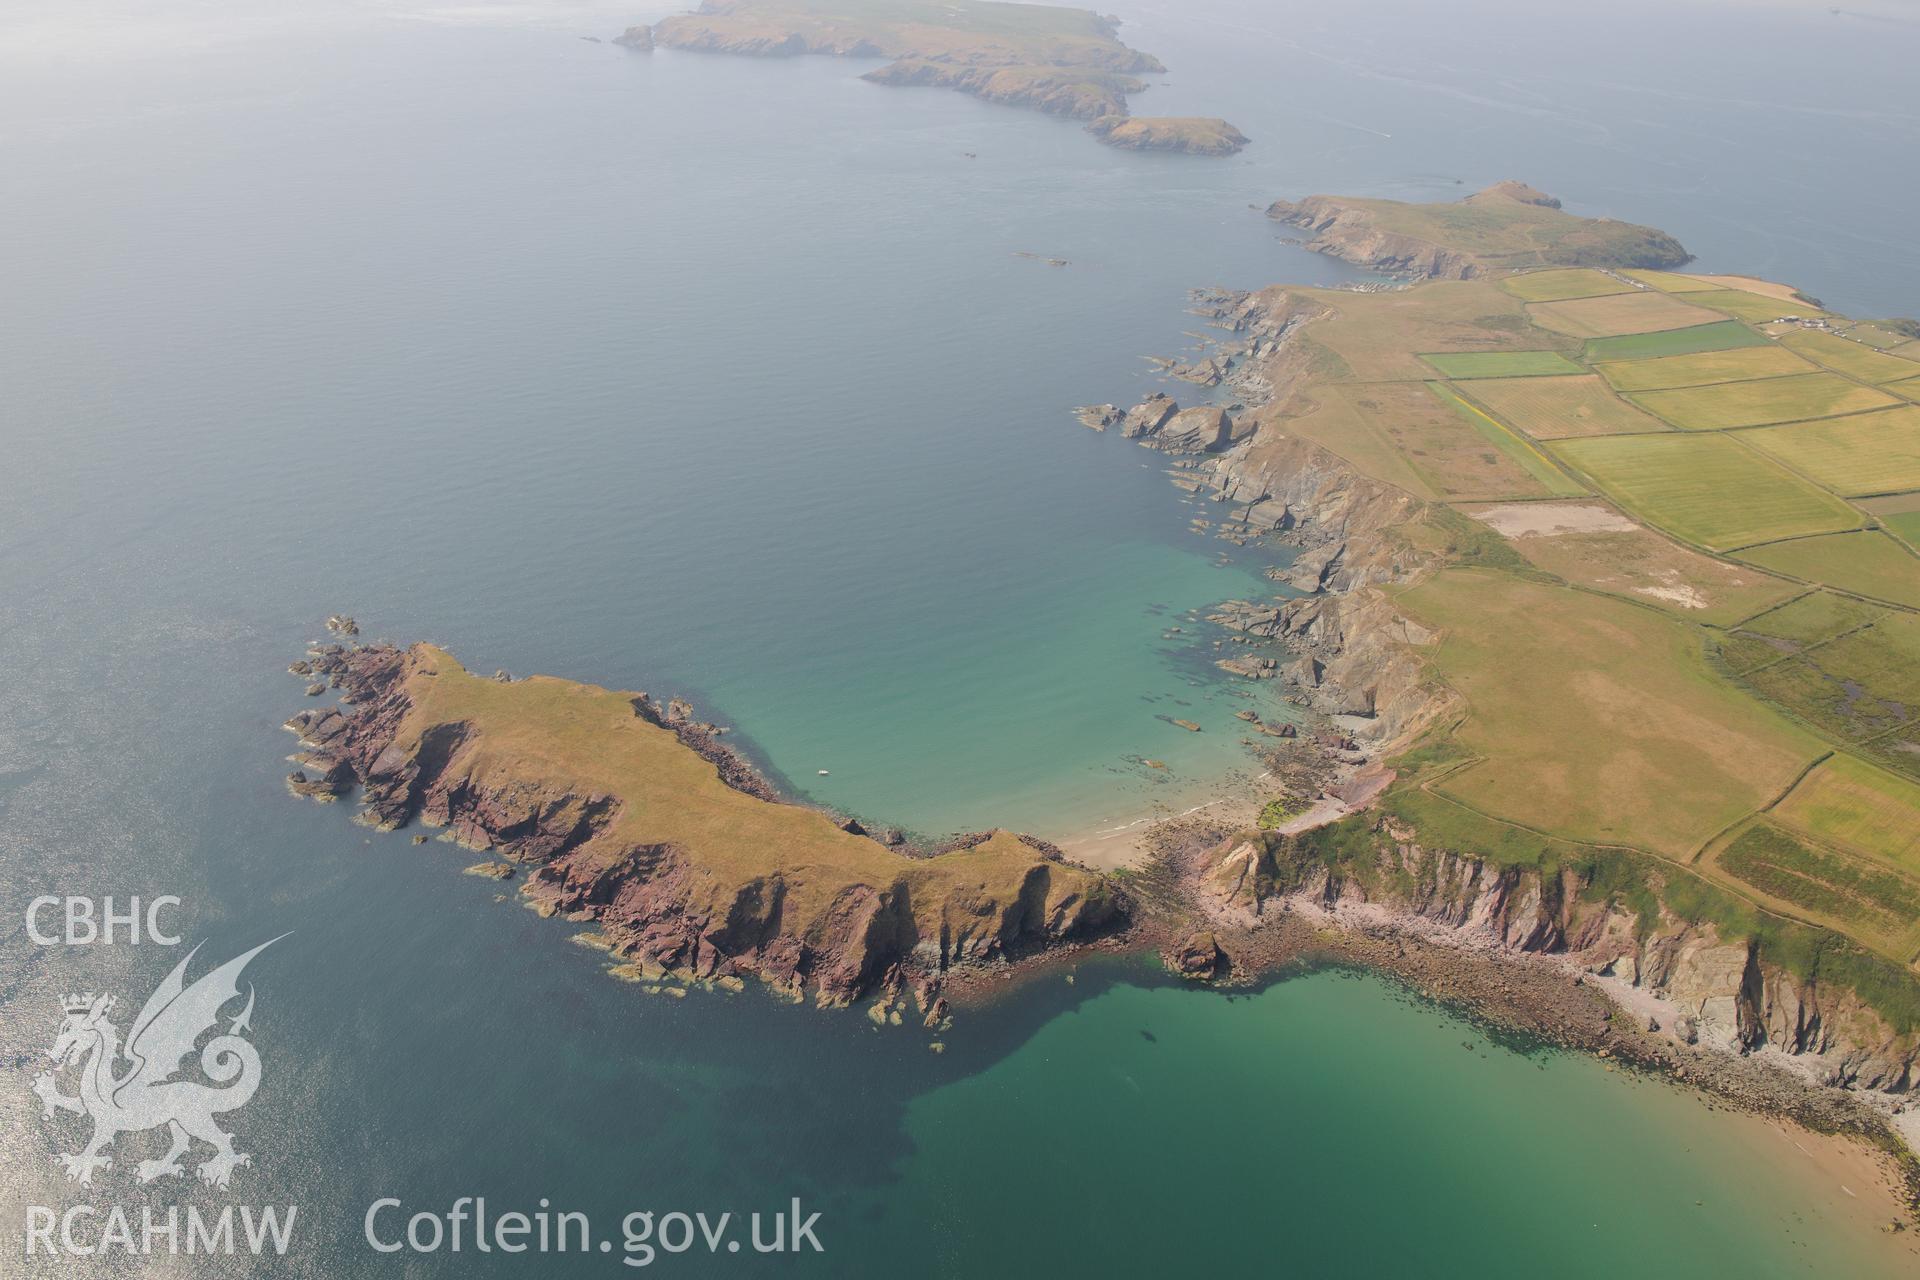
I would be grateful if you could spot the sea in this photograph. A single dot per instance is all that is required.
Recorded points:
(748, 382)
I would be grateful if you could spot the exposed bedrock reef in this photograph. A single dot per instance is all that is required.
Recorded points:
(638, 818)
(1347, 654)
(1063, 61)
(1508, 225)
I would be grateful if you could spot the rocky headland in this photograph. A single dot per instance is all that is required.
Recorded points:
(1062, 61)
(1508, 225)
(1195, 135)
(1790, 1024)
(638, 818)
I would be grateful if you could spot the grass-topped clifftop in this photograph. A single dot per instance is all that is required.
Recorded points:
(626, 817)
(1059, 60)
(1507, 226)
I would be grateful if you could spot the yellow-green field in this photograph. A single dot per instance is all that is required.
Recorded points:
(1787, 630)
(1754, 308)
(1544, 471)
(1502, 364)
(1854, 803)
(1867, 563)
(1558, 286)
(1854, 359)
(1750, 404)
(1707, 489)
(1670, 281)
(1865, 454)
(1554, 408)
(1593, 715)
(1721, 335)
(1619, 314)
(1900, 513)
(1910, 388)
(1738, 365)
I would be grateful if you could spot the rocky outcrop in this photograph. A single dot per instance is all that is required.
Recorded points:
(1060, 91)
(1508, 225)
(639, 39)
(1194, 135)
(638, 818)
(1708, 989)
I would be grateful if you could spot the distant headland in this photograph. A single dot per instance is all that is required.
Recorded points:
(1065, 62)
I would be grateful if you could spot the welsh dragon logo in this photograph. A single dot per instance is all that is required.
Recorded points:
(144, 1094)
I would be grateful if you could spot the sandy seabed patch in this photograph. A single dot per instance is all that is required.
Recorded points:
(1545, 519)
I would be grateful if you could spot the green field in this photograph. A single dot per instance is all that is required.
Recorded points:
(1854, 359)
(1594, 714)
(1502, 364)
(1865, 454)
(1900, 513)
(1558, 286)
(1852, 892)
(1853, 803)
(1856, 687)
(1785, 631)
(1522, 452)
(1766, 400)
(1868, 563)
(1707, 489)
(1555, 408)
(1754, 308)
(1723, 336)
(1739, 365)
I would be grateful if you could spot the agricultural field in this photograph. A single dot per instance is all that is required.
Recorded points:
(1900, 513)
(1739, 365)
(1867, 563)
(1618, 314)
(1670, 281)
(1707, 489)
(1865, 454)
(1723, 335)
(1592, 545)
(1592, 714)
(1518, 449)
(1854, 359)
(1910, 388)
(1857, 895)
(1556, 408)
(1755, 308)
(1852, 803)
(1558, 286)
(1858, 686)
(1407, 435)
(1502, 364)
(1378, 336)
(1347, 420)
(1785, 631)
(1722, 405)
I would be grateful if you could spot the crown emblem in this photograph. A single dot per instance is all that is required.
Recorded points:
(77, 1004)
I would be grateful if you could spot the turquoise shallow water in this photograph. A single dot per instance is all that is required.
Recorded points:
(722, 378)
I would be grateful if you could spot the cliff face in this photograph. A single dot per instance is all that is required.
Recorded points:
(1729, 993)
(1353, 234)
(637, 818)
(1078, 94)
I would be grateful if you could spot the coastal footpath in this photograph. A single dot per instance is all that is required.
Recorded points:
(1062, 61)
